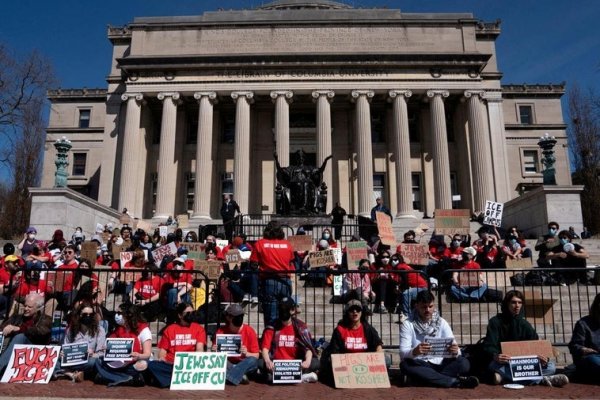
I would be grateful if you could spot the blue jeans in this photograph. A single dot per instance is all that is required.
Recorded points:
(504, 371)
(235, 372)
(408, 296)
(162, 372)
(172, 298)
(5, 357)
(463, 293)
(115, 376)
(90, 365)
(250, 283)
(273, 290)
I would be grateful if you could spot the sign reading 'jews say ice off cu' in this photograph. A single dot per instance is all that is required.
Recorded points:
(199, 371)
(31, 364)
(360, 370)
(493, 213)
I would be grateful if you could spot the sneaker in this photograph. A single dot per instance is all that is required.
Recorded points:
(247, 298)
(245, 380)
(467, 382)
(78, 377)
(558, 380)
(254, 300)
(311, 377)
(497, 379)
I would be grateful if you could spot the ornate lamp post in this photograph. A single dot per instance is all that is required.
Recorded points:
(547, 143)
(62, 146)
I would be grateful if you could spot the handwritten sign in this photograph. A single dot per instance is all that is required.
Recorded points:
(211, 268)
(321, 258)
(355, 251)
(195, 250)
(415, 254)
(384, 226)
(229, 344)
(88, 251)
(117, 250)
(493, 213)
(222, 243)
(287, 371)
(74, 354)
(527, 347)
(360, 370)
(183, 220)
(469, 279)
(199, 371)
(301, 242)
(525, 368)
(145, 226)
(449, 222)
(57, 279)
(118, 349)
(31, 364)
(233, 258)
(169, 249)
(125, 257)
(337, 284)
(439, 346)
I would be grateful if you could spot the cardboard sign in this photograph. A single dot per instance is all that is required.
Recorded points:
(118, 349)
(57, 279)
(415, 254)
(355, 251)
(337, 253)
(527, 347)
(116, 251)
(74, 354)
(195, 250)
(493, 213)
(360, 370)
(145, 226)
(125, 257)
(88, 251)
(169, 249)
(233, 258)
(519, 263)
(287, 371)
(132, 274)
(321, 258)
(525, 368)
(222, 243)
(469, 279)
(183, 221)
(31, 364)
(199, 371)
(229, 344)
(301, 242)
(337, 284)
(211, 268)
(450, 222)
(439, 347)
(384, 226)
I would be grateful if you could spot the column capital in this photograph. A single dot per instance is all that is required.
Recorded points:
(174, 95)
(433, 93)
(248, 95)
(329, 94)
(399, 93)
(287, 94)
(493, 97)
(212, 96)
(369, 94)
(470, 93)
(126, 96)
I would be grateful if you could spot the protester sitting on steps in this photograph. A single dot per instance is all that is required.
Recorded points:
(585, 344)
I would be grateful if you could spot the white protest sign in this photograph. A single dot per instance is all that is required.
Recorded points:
(337, 284)
(493, 213)
(169, 249)
(31, 364)
(230, 344)
(199, 371)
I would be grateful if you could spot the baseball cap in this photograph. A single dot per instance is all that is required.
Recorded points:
(11, 258)
(470, 250)
(353, 304)
(234, 310)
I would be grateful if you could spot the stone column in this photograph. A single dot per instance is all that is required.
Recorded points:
(167, 166)
(129, 163)
(282, 100)
(481, 158)
(323, 99)
(498, 146)
(402, 151)
(204, 162)
(241, 161)
(439, 147)
(364, 150)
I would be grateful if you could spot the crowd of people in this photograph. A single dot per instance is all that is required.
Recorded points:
(39, 278)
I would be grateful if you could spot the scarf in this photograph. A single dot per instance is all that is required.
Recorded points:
(426, 328)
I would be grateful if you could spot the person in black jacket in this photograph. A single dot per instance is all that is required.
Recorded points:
(585, 344)
(228, 211)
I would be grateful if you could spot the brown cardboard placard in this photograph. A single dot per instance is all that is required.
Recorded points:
(116, 251)
(360, 370)
(527, 348)
(384, 226)
(450, 222)
(88, 251)
(519, 263)
(469, 278)
(233, 258)
(211, 268)
(145, 226)
(195, 250)
(57, 279)
(301, 242)
(355, 251)
(125, 219)
(183, 221)
(132, 274)
(415, 254)
(321, 258)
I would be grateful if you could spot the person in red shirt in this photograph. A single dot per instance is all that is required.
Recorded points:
(184, 335)
(410, 283)
(177, 284)
(274, 256)
(289, 339)
(469, 287)
(69, 265)
(238, 367)
(146, 292)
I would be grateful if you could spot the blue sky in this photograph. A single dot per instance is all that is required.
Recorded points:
(546, 41)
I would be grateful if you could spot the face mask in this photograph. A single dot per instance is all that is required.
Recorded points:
(237, 321)
(31, 236)
(385, 260)
(455, 243)
(183, 257)
(119, 319)
(326, 236)
(188, 317)
(87, 320)
(284, 315)
(188, 239)
(564, 241)
(552, 232)
(465, 257)
(179, 267)
(395, 262)
(513, 241)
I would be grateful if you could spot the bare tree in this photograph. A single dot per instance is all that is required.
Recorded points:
(23, 86)
(584, 138)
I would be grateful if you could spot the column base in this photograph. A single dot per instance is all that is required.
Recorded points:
(406, 215)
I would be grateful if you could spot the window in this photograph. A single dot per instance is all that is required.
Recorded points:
(378, 186)
(190, 194)
(416, 190)
(154, 188)
(79, 161)
(227, 183)
(228, 123)
(531, 162)
(302, 120)
(413, 126)
(454, 190)
(84, 118)
(377, 126)
(526, 114)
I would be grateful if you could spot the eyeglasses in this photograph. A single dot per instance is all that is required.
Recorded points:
(354, 310)
(70, 252)
(87, 315)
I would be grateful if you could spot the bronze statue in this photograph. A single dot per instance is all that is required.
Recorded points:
(303, 183)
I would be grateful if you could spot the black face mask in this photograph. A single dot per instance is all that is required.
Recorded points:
(87, 320)
(465, 257)
(237, 321)
(285, 315)
(188, 317)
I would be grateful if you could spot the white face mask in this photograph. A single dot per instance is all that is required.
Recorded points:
(119, 319)
(31, 236)
(395, 262)
(183, 257)
(326, 236)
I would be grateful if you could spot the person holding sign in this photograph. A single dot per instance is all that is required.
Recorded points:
(511, 326)
(356, 285)
(288, 338)
(382, 208)
(585, 344)
(468, 285)
(429, 353)
(184, 335)
(130, 325)
(238, 367)
(147, 291)
(83, 328)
